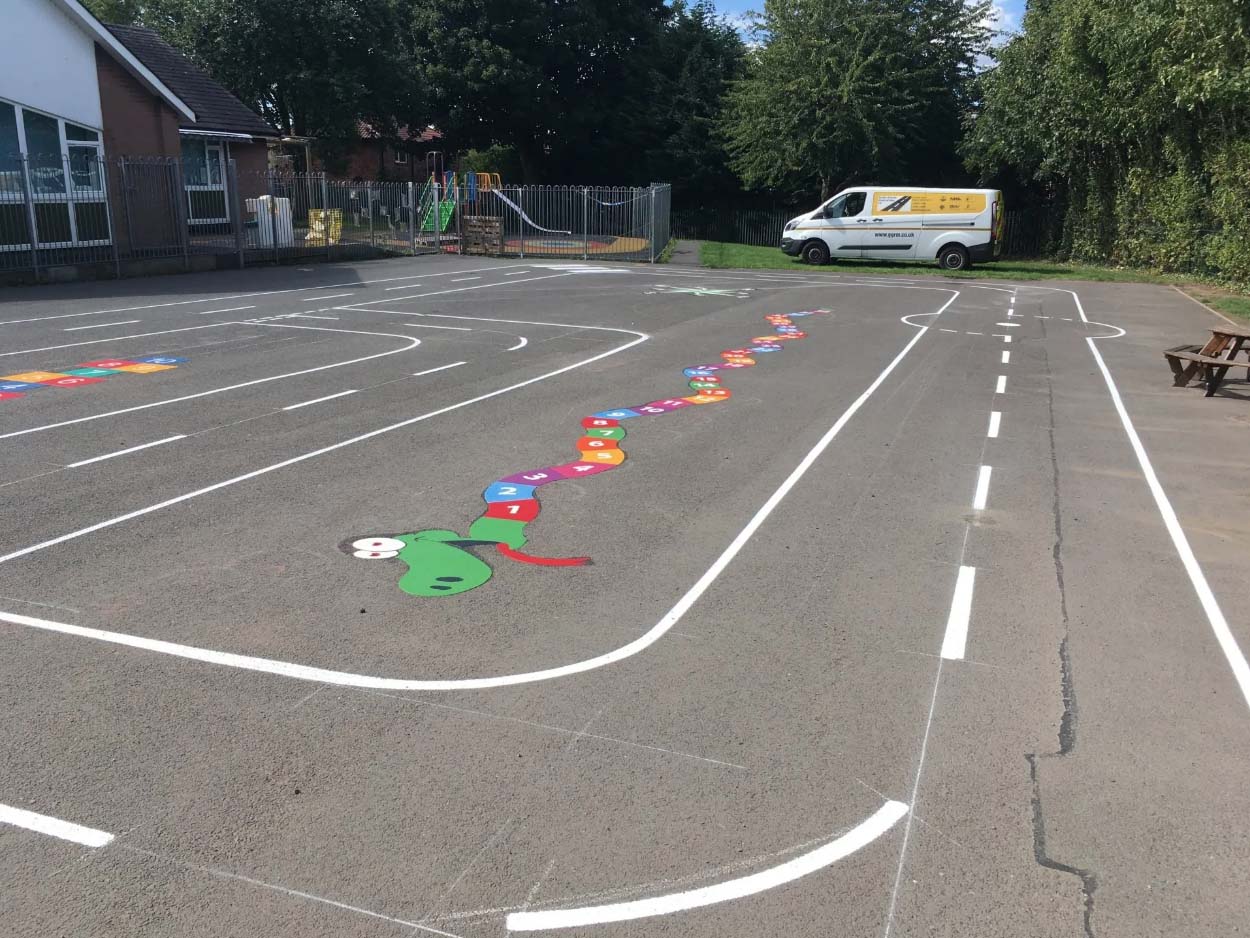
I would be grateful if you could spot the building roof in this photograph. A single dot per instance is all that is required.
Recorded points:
(404, 134)
(216, 109)
(83, 18)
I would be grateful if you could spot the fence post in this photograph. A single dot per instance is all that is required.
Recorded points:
(273, 216)
(111, 216)
(412, 219)
(325, 214)
(28, 196)
(234, 196)
(177, 184)
(369, 200)
(585, 222)
(652, 224)
(521, 219)
(436, 219)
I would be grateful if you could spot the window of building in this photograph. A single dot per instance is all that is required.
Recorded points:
(401, 157)
(61, 165)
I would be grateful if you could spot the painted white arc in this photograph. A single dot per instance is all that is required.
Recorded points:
(856, 838)
(53, 827)
(344, 678)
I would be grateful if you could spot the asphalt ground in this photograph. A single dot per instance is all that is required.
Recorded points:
(855, 657)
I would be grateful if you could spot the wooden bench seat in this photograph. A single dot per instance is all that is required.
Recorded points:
(1213, 369)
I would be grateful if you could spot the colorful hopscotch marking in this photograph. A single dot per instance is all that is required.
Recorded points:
(439, 562)
(94, 372)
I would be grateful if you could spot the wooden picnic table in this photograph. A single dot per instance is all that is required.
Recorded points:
(1213, 359)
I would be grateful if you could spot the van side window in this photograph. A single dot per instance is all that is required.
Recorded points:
(854, 204)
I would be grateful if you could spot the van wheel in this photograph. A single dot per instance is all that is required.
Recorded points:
(953, 257)
(816, 253)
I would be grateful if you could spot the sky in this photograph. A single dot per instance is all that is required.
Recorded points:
(1006, 13)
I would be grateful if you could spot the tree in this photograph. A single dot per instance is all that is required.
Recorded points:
(839, 91)
(564, 83)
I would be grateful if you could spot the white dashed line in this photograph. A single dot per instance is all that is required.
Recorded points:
(430, 371)
(1006, 357)
(996, 418)
(463, 279)
(53, 827)
(955, 641)
(982, 494)
(948, 330)
(1008, 325)
(318, 299)
(328, 397)
(1002, 384)
(102, 325)
(406, 286)
(123, 452)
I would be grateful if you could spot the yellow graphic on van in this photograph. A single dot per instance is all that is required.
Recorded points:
(929, 203)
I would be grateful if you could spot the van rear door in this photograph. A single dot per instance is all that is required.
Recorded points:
(891, 225)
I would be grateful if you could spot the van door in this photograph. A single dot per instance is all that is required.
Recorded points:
(841, 222)
(893, 225)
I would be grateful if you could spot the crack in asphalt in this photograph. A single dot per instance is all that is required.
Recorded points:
(1068, 721)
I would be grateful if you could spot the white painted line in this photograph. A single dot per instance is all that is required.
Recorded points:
(996, 419)
(480, 286)
(516, 273)
(403, 286)
(413, 342)
(1012, 299)
(123, 452)
(242, 296)
(328, 397)
(1041, 317)
(345, 678)
(1008, 325)
(1002, 384)
(311, 316)
(232, 309)
(825, 855)
(1066, 318)
(520, 345)
(955, 642)
(430, 371)
(1215, 616)
(116, 338)
(948, 330)
(1006, 358)
(332, 296)
(976, 333)
(982, 494)
(42, 824)
(1006, 338)
(463, 279)
(102, 325)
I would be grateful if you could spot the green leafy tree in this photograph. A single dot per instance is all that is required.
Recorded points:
(563, 83)
(839, 91)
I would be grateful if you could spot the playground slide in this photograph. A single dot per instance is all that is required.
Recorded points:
(516, 208)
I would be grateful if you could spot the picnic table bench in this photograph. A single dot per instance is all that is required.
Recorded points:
(1213, 359)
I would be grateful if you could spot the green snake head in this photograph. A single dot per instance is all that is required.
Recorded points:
(438, 563)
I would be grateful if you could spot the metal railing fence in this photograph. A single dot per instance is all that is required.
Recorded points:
(81, 209)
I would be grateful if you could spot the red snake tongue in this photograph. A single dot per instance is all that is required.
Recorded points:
(512, 554)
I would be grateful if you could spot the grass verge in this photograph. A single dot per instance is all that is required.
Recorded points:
(720, 254)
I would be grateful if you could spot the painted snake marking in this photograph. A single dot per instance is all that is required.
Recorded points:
(439, 562)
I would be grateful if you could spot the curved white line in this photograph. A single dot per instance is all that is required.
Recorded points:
(524, 342)
(411, 340)
(345, 678)
(825, 855)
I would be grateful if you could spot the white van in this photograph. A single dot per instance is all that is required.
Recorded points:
(955, 227)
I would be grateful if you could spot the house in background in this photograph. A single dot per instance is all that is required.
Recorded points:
(110, 138)
(378, 157)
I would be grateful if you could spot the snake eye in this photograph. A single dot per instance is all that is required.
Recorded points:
(375, 554)
(373, 544)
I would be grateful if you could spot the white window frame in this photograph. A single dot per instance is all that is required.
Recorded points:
(222, 149)
(401, 157)
(72, 196)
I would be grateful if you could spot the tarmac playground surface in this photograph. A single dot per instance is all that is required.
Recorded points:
(932, 626)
